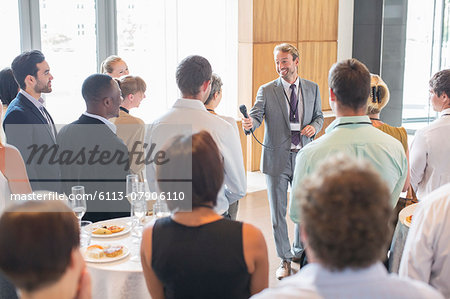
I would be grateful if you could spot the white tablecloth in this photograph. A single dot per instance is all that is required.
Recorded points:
(122, 279)
(399, 239)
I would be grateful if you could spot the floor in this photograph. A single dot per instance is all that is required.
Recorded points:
(254, 209)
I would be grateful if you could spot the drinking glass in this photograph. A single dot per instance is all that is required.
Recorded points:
(78, 202)
(160, 209)
(85, 233)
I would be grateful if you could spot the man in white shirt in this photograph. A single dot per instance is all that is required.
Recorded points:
(426, 256)
(189, 115)
(345, 207)
(430, 165)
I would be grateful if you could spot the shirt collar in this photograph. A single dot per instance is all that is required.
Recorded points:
(445, 111)
(287, 85)
(104, 120)
(36, 102)
(124, 109)
(347, 120)
(190, 104)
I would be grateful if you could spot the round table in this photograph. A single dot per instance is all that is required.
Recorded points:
(399, 239)
(120, 279)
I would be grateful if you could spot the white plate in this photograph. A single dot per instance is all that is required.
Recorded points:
(105, 259)
(96, 225)
(405, 212)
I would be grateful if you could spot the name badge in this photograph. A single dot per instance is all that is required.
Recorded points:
(295, 126)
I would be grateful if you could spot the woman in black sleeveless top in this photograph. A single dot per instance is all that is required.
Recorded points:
(199, 254)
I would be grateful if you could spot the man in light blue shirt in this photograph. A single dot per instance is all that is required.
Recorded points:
(352, 133)
(345, 227)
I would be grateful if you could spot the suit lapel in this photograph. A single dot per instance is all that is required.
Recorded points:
(38, 114)
(279, 93)
(303, 92)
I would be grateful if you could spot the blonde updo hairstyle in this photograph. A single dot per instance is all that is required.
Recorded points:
(107, 64)
(379, 95)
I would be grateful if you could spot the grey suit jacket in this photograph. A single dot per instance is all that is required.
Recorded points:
(271, 106)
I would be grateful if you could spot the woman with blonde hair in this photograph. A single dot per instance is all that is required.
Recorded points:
(114, 66)
(131, 129)
(378, 99)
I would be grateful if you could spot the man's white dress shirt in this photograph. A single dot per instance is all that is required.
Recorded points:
(426, 255)
(429, 156)
(315, 281)
(189, 116)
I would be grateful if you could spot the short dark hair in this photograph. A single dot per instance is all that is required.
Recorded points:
(25, 64)
(440, 83)
(350, 81)
(191, 73)
(196, 156)
(8, 86)
(36, 242)
(345, 208)
(216, 85)
(96, 87)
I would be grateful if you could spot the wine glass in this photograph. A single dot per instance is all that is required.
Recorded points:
(78, 202)
(132, 189)
(160, 209)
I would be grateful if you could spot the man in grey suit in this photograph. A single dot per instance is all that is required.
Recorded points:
(292, 112)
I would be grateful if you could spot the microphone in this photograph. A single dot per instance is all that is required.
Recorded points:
(243, 110)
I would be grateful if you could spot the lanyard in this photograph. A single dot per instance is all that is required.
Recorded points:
(357, 123)
(298, 100)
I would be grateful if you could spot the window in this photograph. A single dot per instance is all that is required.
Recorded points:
(154, 36)
(69, 46)
(427, 51)
(9, 31)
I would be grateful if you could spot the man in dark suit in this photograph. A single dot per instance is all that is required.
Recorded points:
(292, 112)
(91, 154)
(28, 125)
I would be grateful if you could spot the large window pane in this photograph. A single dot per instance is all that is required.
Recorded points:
(445, 50)
(154, 36)
(69, 45)
(9, 32)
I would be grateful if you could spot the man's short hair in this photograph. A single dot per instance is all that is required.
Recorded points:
(216, 85)
(96, 87)
(350, 81)
(345, 208)
(25, 64)
(36, 243)
(191, 73)
(287, 48)
(440, 83)
(196, 156)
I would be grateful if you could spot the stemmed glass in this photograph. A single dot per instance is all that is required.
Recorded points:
(132, 193)
(78, 202)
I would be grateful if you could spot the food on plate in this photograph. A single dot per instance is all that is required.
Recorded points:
(108, 230)
(409, 218)
(99, 252)
(95, 252)
(113, 251)
(115, 229)
(102, 231)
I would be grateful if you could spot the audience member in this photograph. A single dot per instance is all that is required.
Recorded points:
(211, 103)
(430, 165)
(28, 125)
(39, 242)
(92, 155)
(131, 129)
(189, 115)
(426, 255)
(13, 175)
(114, 66)
(378, 99)
(8, 86)
(352, 133)
(345, 207)
(221, 258)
